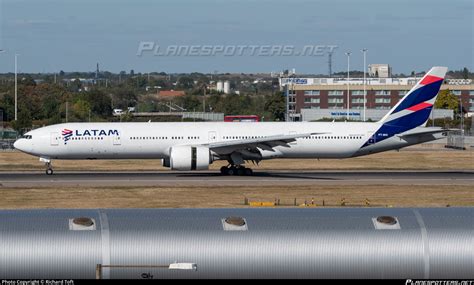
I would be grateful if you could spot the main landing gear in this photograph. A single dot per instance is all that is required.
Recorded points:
(236, 170)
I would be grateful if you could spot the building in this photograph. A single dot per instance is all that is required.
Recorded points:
(226, 87)
(223, 86)
(220, 86)
(380, 70)
(381, 93)
(170, 94)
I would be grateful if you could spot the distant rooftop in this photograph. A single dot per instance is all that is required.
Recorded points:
(360, 81)
(170, 93)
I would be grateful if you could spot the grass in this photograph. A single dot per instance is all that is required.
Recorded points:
(217, 197)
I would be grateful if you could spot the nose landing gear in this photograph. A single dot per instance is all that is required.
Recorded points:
(49, 170)
(49, 166)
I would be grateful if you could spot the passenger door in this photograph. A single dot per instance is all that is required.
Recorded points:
(212, 137)
(55, 139)
(117, 140)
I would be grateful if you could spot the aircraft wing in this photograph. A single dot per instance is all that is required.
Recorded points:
(265, 143)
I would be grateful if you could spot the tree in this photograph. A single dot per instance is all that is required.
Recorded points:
(235, 105)
(465, 73)
(8, 104)
(147, 106)
(189, 102)
(185, 82)
(24, 121)
(447, 100)
(99, 102)
(55, 119)
(124, 98)
(127, 117)
(141, 81)
(81, 109)
(276, 106)
(27, 80)
(214, 102)
(44, 101)
(75, 85)
(201, 86)
(51, 106)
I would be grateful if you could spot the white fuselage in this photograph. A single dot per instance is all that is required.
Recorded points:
(154, 140)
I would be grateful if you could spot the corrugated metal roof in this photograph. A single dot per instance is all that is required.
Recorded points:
(279, 243)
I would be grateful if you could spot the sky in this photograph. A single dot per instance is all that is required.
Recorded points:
(54, 35)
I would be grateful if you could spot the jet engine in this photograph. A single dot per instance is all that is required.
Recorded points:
(188, 158)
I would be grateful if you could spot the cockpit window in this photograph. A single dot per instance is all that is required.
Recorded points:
(28, 137)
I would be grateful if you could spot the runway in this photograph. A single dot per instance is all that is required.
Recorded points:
(214, 179)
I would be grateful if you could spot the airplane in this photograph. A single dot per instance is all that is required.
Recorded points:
(194, 146)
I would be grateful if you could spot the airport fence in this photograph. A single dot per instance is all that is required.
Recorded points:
(7, 138)
(6, 144)
(456, 140)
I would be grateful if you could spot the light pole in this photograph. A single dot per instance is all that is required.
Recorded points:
(16, 88)
(462, 117)
(365, 91)
(293, 100)
(287, 100)
(348, 66)
(287, 94)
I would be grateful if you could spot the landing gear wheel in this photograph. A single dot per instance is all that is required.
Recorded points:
(248, 172)
(231, 171)
(240, 171)
(224, 170)
(49, 171)
(236, 170)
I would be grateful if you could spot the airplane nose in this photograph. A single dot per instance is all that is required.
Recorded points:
(19, 145)
(24, 145)
(16, 144)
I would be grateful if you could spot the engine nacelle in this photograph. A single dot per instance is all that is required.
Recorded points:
(166, 162)
(189, 158)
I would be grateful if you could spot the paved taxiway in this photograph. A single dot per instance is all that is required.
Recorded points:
(209, 178)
